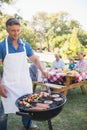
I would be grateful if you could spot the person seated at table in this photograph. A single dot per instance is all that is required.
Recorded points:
(58, 63)
(81, 65)
(71, 64)
(36, 74)
(33, 74)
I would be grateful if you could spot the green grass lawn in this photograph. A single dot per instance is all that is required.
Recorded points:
(72, 117)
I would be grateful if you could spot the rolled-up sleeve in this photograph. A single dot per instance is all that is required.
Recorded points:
(29, 50)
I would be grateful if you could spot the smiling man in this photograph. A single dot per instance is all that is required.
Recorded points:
(16, 79)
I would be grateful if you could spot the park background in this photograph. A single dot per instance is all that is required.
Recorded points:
(48, 33)
(54, 31)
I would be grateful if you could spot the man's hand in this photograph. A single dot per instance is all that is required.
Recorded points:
(3, 91)
(45, 74)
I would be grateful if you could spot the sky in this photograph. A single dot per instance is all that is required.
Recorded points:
(27, 8)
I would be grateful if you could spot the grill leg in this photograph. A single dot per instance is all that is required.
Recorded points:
(50, 125)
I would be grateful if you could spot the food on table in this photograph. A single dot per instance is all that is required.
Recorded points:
(72, 73)
(63, 70)
(79, 70)
(56, 68)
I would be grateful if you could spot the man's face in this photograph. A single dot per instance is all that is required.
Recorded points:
(57, 57)
(14, 31)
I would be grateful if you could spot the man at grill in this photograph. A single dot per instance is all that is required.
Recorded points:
(16, 79)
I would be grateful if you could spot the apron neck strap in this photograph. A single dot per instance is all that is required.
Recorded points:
(7, 45)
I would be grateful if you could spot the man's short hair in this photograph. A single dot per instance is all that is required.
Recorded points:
(56, 54)
(12, 21)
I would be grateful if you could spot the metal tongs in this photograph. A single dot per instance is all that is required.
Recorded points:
(47, 86)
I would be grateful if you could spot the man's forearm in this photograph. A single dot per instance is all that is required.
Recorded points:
(39, 65)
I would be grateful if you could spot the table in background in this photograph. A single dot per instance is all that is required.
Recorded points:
(68, 85)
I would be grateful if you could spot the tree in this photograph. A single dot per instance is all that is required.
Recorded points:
(71, 46)
(82, 35)
(73, 24)
(2, 2)
(59, 41)
(74, 44)
(3, 33)
(6, 1)
(38, 24)
(27, 34)
(57, 26)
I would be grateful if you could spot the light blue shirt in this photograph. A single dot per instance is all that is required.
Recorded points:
(58, 64)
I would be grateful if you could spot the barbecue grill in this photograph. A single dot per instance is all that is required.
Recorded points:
(42, 115)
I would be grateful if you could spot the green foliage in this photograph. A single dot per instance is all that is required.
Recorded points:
(2, 2)
(73, 24)
(28, 35)
(1, 68)
(58, 41)
(3, 33)
(82, 35)
(7, 1)
(50, 32)
(48, 64)
(74, 43)
(69, 45)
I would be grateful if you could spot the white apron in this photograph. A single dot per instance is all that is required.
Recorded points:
(16, 78)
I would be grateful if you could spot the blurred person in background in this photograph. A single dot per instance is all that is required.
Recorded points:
(33, 74)
(81, 65)
(58, 63)
(36, 74)
(71, 64)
